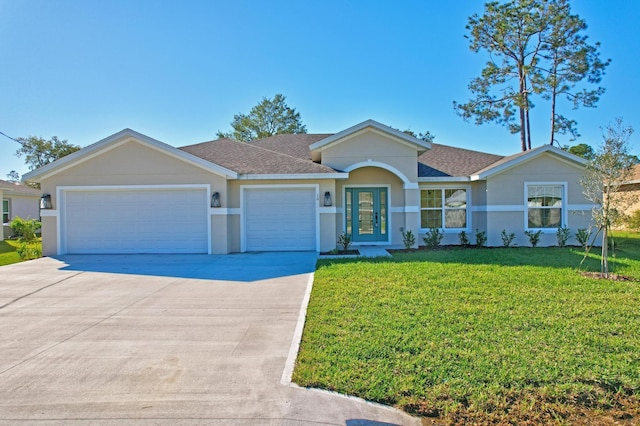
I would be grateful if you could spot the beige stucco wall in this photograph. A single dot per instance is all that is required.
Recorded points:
(374, 146)
(507, 206)
(630, 194)
(131, 163)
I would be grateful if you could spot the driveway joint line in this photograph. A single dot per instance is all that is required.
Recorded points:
(38, 290)
(86, 328)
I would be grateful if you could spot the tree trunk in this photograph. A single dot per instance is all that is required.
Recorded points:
(528, 125)
(523, 136)
(604, 263)
(553, 116)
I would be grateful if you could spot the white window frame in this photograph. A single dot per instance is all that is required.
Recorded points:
(467, 189)
(564, 207)
(7, 212)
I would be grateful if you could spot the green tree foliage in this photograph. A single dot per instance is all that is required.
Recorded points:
(610, 168)
(269, 117)
(39, 152)
(536, 47)
(426, 136)
(569, 60)
(581, 150)
(13, 176)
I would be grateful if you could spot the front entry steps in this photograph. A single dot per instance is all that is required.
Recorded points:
(373, 251)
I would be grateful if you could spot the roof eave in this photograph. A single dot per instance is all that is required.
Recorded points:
(444, 179)
(122, 136)
(293, 176)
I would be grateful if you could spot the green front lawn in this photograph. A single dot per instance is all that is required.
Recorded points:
(479, 335)
(8, 251)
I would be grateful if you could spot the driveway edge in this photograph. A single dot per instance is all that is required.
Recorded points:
(287, 373)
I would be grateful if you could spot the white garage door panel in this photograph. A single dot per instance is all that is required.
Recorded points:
(136, 221)
(280, 219)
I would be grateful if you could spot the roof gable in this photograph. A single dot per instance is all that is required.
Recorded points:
(369, 125)
(515, 160)
(115, 140)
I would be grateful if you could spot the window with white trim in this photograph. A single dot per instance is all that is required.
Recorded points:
(545, 204)
(5, 211)
(443, 208)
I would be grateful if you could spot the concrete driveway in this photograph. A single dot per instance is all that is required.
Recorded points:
(167, 339)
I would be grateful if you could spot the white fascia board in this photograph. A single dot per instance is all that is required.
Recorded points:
(567, 157)
(445, 179)
(116, 140)
(298, 176)
(323, 143)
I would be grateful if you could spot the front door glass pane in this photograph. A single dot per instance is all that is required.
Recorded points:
(365, 210)
(383, 212)
(348, 212)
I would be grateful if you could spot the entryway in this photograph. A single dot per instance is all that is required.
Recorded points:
(367, 214)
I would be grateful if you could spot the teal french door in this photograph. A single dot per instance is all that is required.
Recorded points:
(366, 214)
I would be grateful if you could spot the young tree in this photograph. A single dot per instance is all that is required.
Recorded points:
(610, 167)
(270, 117)
(569, 60)
(13, 176)
(39, 152)
(536, 47)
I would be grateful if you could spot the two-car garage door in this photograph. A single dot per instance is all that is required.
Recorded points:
(175, 220)
(135, 221)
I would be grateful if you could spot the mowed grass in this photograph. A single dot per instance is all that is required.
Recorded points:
(8, 251)
(489, 335)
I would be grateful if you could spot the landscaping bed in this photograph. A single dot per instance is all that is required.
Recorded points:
(480, 336)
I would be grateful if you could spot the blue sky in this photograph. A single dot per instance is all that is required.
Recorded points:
(179, 71)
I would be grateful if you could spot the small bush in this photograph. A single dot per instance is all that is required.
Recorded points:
(27, 252)
(481, 238)
(507, 239)
(582, 235)
(464, 240)
(25, 229)
(408, 239)
(633, 221)
(433, 237)
(563, 234)
(344, 240)
(534, 237)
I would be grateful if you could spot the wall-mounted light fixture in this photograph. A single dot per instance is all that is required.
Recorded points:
(327, 199)
(215, 200)
(45, 202)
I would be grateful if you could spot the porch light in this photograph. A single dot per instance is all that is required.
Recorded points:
(327, 199)
(45, 202)
(215, 200)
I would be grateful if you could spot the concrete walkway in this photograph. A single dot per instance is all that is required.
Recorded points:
(166, 340)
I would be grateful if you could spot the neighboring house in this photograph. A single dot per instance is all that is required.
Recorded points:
(631, 190)
(129, 193)
(17, 200)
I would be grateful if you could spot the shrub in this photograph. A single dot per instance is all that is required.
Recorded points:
(507, 239)
(563, 234)
(582, 235)
(633, 221)
(27, 252)
(344, 240)
(464, 240)
(481, 238)
(25, 229)
(408, 239)
(534, 237)
(433, 237)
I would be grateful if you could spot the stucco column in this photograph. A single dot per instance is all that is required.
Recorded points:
(412, 210)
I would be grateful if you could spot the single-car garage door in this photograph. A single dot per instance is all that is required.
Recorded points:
(135, 221)
(280, 219)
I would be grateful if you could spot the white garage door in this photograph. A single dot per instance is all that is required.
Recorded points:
(280, 219)
(136, 221)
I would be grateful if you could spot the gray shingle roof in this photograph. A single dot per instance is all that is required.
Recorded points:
(293, 145)
(447, 161)
(18, 188)
(249, 158)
